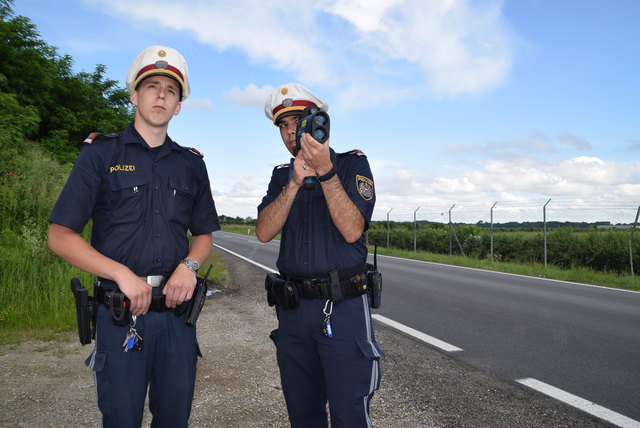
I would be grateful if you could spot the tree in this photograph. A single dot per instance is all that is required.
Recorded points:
(69, 105)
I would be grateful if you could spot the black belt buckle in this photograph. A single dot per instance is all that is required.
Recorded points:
(335, 288)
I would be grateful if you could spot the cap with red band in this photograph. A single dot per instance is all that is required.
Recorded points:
(291, 98)
(159, 60)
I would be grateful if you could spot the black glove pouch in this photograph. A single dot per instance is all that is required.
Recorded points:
(281, 292)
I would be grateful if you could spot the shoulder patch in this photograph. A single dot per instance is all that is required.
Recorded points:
(195, 152)
(283, 165)
(355, 152)
(365, 187)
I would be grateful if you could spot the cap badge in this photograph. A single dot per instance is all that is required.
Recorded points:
(287, 102)
(162, 53)
(365, 187)
(284, 91)
(162, 64)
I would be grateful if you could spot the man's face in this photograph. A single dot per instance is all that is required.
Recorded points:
(157, 100)
(287, 126)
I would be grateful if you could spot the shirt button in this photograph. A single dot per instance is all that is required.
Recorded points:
(157, 187)
(156, 212)
(158, 259)
(157, 235)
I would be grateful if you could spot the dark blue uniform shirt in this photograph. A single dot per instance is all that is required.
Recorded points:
(311, 246)
(142, 201)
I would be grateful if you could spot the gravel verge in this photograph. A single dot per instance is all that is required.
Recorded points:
(46, 384)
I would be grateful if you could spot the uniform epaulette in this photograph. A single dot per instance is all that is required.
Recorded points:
(355, 152)
(284, 165)
(195, 151)
(95, 136)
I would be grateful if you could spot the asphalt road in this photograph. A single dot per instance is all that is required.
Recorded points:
(580, 339)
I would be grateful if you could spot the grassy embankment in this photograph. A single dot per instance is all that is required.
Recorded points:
(35, 295)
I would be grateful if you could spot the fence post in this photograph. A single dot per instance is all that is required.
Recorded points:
(491, 229)
(415, 230)
(450, 231)
(633, 229)
(544, 222)
(388, 226)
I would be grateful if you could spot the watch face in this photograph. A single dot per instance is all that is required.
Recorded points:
(191, 264)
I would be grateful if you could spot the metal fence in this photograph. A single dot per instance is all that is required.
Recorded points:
(540, 215)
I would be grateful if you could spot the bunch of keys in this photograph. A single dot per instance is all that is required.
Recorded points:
(133, 339)
(325, 326)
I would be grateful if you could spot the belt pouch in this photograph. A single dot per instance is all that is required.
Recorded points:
(285, 293)
(119, 305)
(270, 279)
(335, 288)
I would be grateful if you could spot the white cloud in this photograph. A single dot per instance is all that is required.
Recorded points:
(251, 95)
(202, 104)
(403, 48)
(505, 181)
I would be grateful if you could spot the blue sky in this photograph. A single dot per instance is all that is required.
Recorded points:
(454, 101)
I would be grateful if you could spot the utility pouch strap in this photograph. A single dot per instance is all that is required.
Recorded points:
(335, 287)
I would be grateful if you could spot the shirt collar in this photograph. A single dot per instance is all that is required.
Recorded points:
(131, 136)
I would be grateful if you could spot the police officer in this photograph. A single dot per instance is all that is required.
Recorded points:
(143, 192)
(326, 348)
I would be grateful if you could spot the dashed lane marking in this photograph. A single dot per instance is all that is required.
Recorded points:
(580, 403)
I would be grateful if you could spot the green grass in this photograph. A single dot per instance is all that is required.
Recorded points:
(37, 303)
(581, 275)
(240, 229)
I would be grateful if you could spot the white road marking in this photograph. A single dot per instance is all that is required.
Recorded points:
(580, 403)
(417, 334)
(246, 259)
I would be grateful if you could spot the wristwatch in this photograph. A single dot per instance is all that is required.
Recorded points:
(192, 265)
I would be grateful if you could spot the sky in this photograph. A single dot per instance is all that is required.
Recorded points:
(456, 103)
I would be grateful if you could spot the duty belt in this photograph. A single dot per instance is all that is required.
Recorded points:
(352, 281)
(153, 280)
(157, 302)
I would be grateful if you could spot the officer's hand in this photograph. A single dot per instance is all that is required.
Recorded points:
(316, 155)
(179, 288)
(138, 292)
(301, 170)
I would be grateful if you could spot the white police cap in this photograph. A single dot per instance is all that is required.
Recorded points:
(291, 98)
(159, 60)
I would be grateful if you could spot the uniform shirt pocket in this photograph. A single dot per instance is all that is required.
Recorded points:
(182, 194)
(126, 196)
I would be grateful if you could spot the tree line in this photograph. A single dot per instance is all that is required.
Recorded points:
(604, 250)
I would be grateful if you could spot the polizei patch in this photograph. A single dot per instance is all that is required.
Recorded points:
(365, 187)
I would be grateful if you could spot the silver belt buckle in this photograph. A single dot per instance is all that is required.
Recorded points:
(154, 280)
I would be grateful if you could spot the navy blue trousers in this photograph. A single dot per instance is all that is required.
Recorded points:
(166, 367)
(342, 370)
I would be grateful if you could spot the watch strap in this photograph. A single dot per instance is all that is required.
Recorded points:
(192, 265)
(328, 175)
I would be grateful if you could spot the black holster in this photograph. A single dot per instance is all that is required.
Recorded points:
(86, 308)
(281, 292)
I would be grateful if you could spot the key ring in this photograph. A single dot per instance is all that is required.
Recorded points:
(324, 311)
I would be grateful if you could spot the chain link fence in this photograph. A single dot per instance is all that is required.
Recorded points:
(599, 233)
